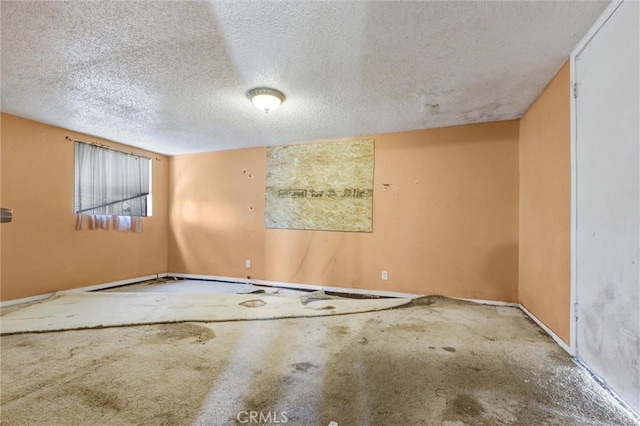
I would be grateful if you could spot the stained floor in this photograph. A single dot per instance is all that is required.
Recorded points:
(448, 362)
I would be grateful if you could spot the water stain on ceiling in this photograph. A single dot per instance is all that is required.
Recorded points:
(171, 77)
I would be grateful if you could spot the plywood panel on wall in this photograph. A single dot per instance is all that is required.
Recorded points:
(445, 218)
(320, 186)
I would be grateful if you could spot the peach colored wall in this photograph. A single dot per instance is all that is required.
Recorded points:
(545, 206)
(446, 224)
(41, 250)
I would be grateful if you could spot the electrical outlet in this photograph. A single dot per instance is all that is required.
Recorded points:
(247, 263)
(385, 275)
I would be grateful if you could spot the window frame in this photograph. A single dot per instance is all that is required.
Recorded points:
(148, 208)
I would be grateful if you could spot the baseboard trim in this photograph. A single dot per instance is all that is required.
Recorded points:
(550, 332)
(300, 286)
(116, 283)
(29, 299)
(489, 302)
(81, 289)
(382, 293)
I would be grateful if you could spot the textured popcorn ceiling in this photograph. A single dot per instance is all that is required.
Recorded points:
(171, 76)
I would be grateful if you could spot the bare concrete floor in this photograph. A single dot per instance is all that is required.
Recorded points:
(449, 363)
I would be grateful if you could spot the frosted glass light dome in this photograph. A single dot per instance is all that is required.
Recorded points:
(266, 99)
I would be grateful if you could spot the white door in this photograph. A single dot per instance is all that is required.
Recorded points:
(607, 204)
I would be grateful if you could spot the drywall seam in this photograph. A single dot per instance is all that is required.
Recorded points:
(550, 332)
(297, 285)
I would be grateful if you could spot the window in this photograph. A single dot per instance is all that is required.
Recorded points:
(110, 182)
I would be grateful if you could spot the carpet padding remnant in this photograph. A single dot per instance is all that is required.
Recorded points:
(445, 363)
(80, 310)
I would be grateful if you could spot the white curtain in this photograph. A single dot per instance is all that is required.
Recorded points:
(112, 188)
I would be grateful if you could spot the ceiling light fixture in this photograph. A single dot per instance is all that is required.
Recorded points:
(265, 98)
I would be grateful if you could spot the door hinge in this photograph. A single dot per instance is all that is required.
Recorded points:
(575, 90)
